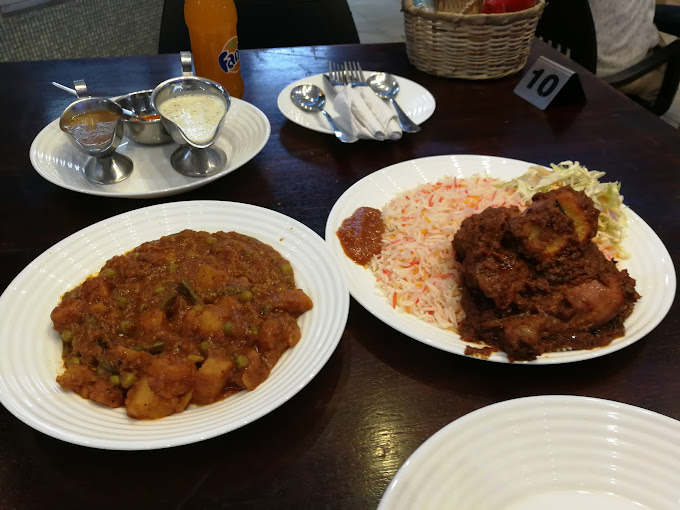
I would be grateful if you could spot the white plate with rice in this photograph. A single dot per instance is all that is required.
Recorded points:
(650, 263)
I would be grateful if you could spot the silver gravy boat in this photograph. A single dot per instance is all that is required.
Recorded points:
(191, 158)
(105, 165)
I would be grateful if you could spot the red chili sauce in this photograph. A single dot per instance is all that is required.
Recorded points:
(361, 234)
(147, 118)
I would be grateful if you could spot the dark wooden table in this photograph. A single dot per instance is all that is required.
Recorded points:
(339, 442)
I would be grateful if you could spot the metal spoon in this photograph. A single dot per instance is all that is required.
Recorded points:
(386, 86)
(309, 97)
(74, 92)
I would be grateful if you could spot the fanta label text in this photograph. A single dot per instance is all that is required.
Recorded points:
(229, 58)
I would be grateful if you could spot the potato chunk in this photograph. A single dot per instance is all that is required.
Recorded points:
(83, 381)
(209, 322)
(256, 372)
(143, 404)
(211, 379)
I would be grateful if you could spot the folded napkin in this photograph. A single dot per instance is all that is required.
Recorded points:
(366, 115)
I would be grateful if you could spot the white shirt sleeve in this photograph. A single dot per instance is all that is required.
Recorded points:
(625, 33)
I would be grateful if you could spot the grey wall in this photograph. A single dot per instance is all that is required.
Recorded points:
(81, 29)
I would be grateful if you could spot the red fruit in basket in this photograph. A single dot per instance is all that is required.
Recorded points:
(500, 6)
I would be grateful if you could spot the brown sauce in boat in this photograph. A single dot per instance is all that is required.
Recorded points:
(93, 129)
(361, 234)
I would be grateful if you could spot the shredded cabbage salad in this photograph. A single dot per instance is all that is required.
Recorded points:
(612, 220)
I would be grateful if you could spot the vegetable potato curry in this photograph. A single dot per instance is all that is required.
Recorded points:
(190, 318)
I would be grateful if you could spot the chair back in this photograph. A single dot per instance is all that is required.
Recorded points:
(567, 26)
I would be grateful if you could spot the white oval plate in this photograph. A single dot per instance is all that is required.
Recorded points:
(413, 98)
(30, 350)
(548, 452)
(245, 131)
(650, 263)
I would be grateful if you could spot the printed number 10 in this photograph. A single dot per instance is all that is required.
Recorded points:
(547, 84)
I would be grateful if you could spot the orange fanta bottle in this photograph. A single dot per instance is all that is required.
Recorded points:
(214, 43)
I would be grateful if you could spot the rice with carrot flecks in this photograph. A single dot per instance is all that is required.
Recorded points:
(416, 268)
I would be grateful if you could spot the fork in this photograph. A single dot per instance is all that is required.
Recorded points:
(335, 74)
(354, 75)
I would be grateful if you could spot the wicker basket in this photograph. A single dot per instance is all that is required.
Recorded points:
(456, 41)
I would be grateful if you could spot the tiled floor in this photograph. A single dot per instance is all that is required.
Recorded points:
(378, 21)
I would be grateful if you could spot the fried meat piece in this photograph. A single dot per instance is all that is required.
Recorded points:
(488, 265)
(557, 220)
(536, 282)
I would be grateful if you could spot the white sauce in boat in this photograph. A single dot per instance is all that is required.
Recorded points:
(197, 115)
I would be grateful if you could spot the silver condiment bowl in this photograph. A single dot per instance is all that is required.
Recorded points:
(191, 158)
(105, 166)
(147, 132)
